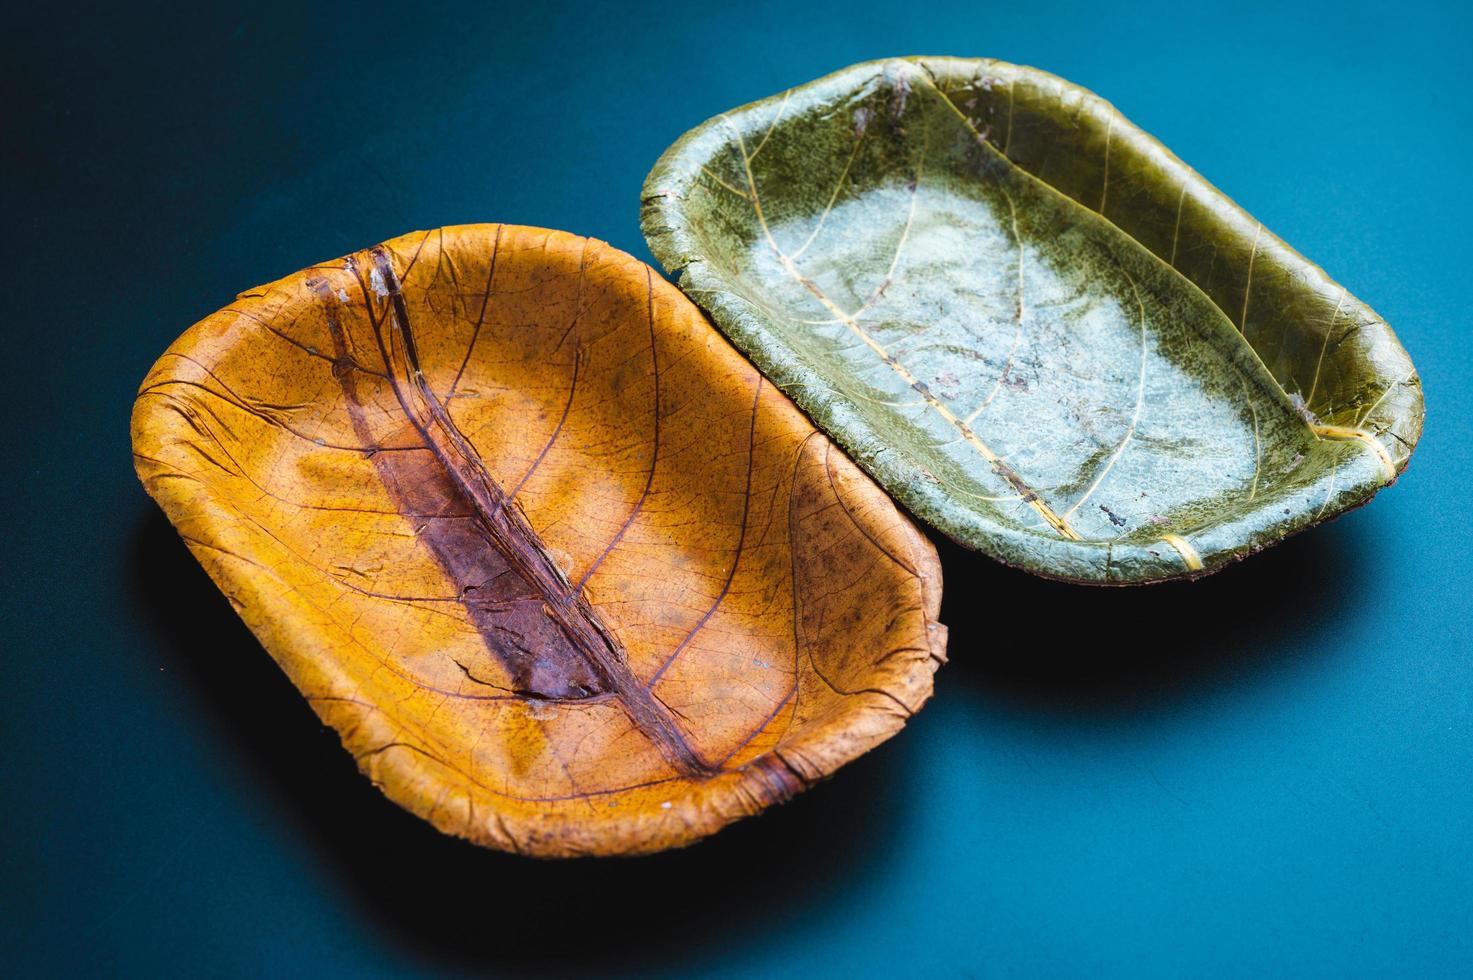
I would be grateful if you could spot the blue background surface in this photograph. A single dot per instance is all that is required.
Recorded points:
(1267, 771)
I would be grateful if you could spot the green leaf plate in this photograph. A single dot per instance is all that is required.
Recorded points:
(1030, 322)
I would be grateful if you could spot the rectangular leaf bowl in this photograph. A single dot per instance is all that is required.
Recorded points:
(1030, 322)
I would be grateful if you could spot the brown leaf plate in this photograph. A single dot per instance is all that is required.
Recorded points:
(564, 572)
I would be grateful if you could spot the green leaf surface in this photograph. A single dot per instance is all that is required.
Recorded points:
(1035, 326)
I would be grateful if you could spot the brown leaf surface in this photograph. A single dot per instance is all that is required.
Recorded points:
(563, 571)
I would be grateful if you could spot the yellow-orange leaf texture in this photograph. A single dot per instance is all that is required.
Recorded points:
(564, 572)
